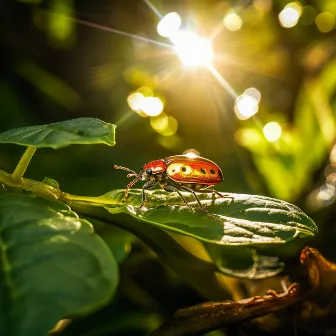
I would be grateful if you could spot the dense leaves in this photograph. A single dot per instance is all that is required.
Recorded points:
(52, 265)
(62, 134)
(236, 219)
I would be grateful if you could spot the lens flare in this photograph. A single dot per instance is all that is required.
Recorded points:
(134, 101)
(192, 49)
(159, 123)
(169, 25)
(290, 15)
(325, 22)
(246, 106)
(232, 21)
(272, 131)
(254, 93)
(152, 106)
(171, 128)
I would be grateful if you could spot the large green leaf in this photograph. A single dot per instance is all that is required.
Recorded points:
(52, 265)
(235, 219)
(62, 134)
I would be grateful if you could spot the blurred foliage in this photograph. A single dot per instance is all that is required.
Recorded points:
(54, 69)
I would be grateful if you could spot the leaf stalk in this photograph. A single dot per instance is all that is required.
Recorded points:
(23, 164)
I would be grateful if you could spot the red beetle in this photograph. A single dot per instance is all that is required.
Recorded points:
(178, 173)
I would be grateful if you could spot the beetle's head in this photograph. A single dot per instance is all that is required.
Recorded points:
(145, 174)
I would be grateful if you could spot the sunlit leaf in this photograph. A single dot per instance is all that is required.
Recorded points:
(53, 265)
(235, 219)
(62, 134)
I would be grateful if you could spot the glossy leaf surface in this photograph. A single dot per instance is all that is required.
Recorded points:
(62, 134)
(236, 219)
(52, 265)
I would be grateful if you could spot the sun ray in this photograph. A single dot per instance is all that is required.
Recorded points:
(120, 32)
(222, 81)
(153, 8)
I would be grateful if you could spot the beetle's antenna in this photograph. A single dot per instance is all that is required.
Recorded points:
(129, 170)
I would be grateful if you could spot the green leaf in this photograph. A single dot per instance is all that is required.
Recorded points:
(51, 182)
(52, 265)
(235, 219)
(62, 134)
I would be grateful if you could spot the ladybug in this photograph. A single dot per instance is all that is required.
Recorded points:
(178, 173)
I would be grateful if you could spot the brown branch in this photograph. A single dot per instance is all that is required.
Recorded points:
(206, 317)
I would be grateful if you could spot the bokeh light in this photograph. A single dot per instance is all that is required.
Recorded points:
(326, 195)
(253, 92)
(232, 21)
(325, 22)
(249, 137)
(134, 101)
(152, 106)
(192, 49)
(290, 15)
(142, 102)
(159, 123)
(272, 131)
(171, 127)
(169, 25)
(246, 106)
(171, 142)
(164, 125)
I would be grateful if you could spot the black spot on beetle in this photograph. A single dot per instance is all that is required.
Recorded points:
(212, 171)
(173, 170)
(184, 169)
(203, 171)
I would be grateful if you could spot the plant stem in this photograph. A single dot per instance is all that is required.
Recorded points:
(68, 198)
(23, 163)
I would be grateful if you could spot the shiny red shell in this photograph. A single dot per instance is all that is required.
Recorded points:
(157, 166)
(183, 169)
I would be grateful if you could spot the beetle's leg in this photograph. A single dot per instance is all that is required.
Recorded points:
(169, 187)
(198, 201)
(217, 193)
(129, 185)
(211, 191)
(148, 185)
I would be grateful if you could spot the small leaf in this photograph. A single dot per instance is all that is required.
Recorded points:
(62, 134)
(52, 265)
(51, 182)
(235, 219)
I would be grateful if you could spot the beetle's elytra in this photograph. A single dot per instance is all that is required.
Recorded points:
(178, 173)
